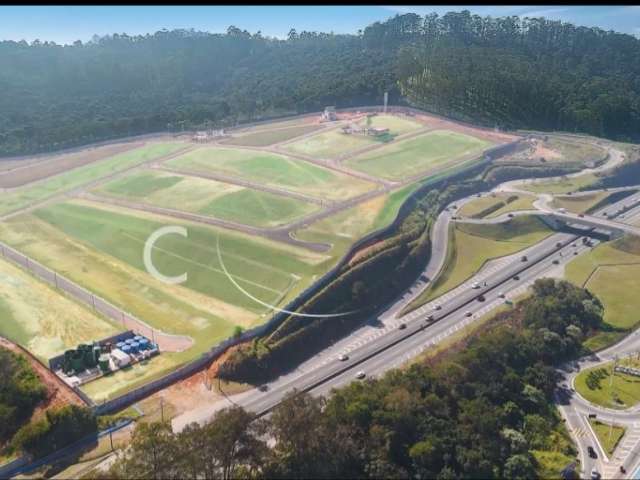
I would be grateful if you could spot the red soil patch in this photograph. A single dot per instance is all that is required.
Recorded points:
(21, 172)
(59, 393)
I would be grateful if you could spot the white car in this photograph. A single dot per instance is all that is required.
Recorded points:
(475, 285)
(344, 357)
(360, 375)
(501, 295)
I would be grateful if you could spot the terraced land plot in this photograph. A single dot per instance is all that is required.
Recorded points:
(26, 171)
(331, 144)
(208, 197)
(29, 194)
(101, 248)
(273, 170)
(43, 320)
(397, 125)
(611, 272)
(264, 138)
(346, 227)
(472, 245)
(426, 153)
(494, 205)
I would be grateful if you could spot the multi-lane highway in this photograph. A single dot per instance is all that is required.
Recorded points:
(389, 340)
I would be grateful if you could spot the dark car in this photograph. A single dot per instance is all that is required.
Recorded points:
(558, 244)
(516, 277)
(468, 314)
(592, 452)
(510, 215)
(581, 215)
(555, 261)
(481, 298)
(523, 258)
(402, 326)
(431, 318)
(263, 388)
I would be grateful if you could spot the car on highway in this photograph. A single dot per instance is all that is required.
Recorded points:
(558, 244)
(360, 375)
(263, 388)
(516, 277)
(581, 215)
(523, 258)
(592, 453)
(501, 295)
(468, 313)
(431, 318)
(481, 298)
(574, 245)
(595, 474)
(402, 326)
(510, 215)
(556, 261)
(437, 307)
(344, 357)
(475, 285)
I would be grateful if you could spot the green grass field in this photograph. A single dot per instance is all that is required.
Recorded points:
(343, 229)
(273, 170)
(608, 435)
(563, 185)
(101, 248)
(42, 320)
(595, 385)
(472, 245)
(422, 154)
(330, 144)
(208, 197)
(474, 208)
(20, 198)
(269, 137)
(396, 125)
(611, 272)
(579, 203)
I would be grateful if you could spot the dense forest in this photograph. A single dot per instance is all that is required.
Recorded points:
(484, 409)
(511, 72)
(21, 429)
(20, 392)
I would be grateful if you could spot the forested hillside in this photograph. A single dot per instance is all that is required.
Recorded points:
(531, 73)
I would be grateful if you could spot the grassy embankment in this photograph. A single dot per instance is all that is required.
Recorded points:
(611, 272)
(472, 245)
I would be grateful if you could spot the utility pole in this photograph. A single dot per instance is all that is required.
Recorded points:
(162, 409)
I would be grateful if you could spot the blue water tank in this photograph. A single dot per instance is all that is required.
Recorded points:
(126, 349)
(129, 341)
(135, 346)
(137, 338)
(143, 344)
(120, 345)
